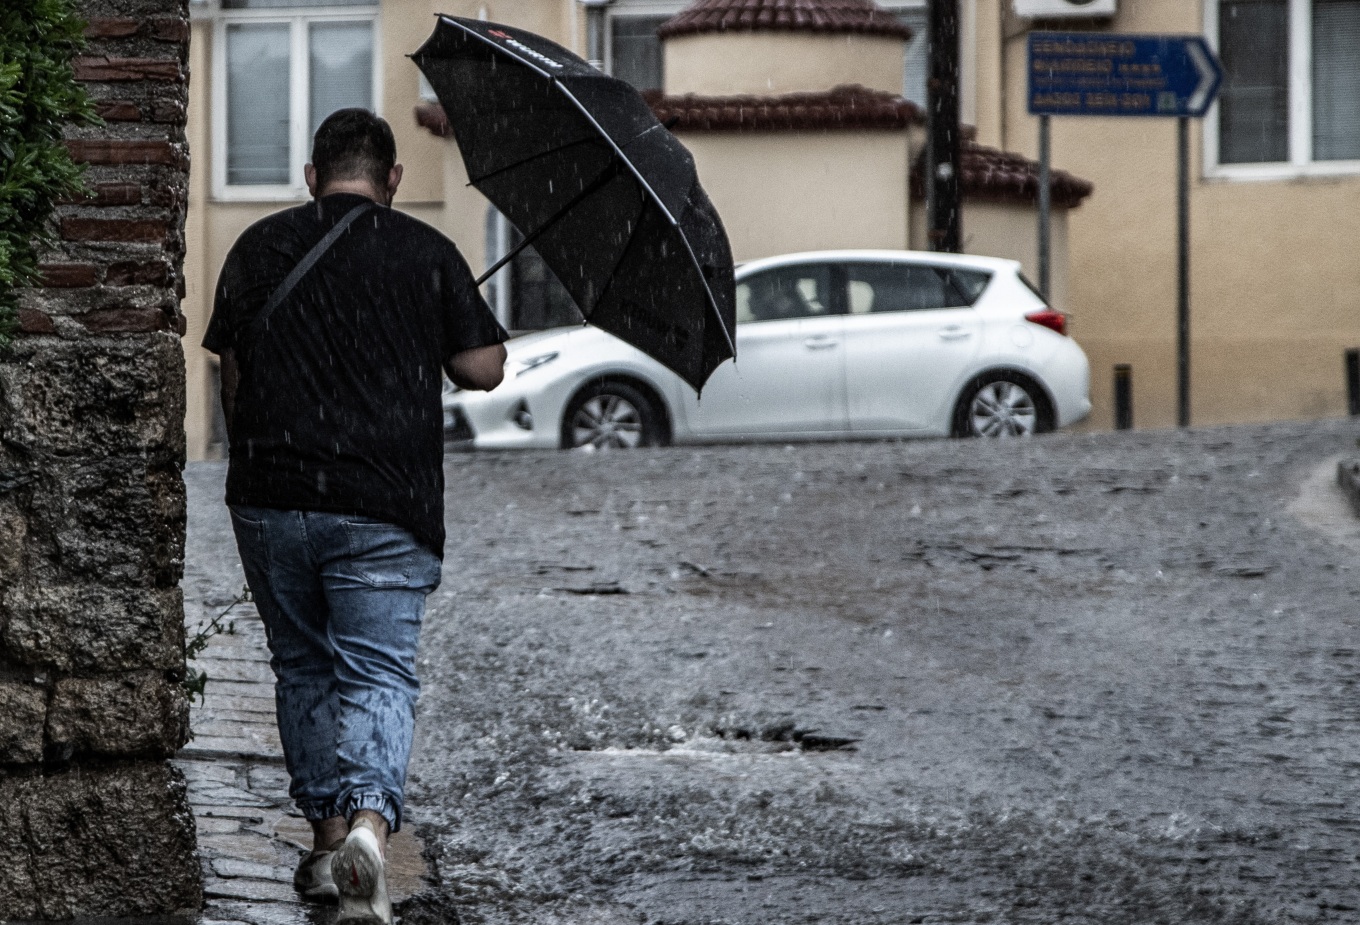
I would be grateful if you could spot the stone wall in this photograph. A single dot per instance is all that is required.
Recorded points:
(95, 819)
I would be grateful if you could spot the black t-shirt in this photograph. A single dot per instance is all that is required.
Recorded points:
(338, 405)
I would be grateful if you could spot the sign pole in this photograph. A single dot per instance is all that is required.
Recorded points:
(1183, 272)
(1045, 205)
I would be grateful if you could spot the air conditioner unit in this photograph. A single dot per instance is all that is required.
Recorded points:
(1065, 9)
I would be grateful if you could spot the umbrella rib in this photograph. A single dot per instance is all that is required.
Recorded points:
(533, 157)
(712, 302)
(627, 248)
(608, 174)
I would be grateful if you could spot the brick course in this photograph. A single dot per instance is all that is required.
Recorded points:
(120, 69)
(126, 151)
(149, 231)
(68, 275)
(117, 194)
(111, 28)
(139, 273)
(127, 321)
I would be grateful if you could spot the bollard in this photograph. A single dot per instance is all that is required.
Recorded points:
(1353, 382)
(1123, 396)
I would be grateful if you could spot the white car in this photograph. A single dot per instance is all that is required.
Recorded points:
(832, 344)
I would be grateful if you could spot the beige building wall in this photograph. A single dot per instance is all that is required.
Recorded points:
(199, 275)
(1275, 287)
(796, 191)
(773, 63)
(987, 34)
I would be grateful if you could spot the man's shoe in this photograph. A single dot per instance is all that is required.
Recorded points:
(357, 869)
(313, 878)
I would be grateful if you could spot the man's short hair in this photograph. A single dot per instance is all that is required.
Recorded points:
(353, 144)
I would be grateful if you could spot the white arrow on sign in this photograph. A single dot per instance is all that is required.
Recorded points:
(1208, 75)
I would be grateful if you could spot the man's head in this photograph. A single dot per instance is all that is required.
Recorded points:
(354, 151)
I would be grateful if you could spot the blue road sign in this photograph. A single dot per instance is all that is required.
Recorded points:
(1099, 74)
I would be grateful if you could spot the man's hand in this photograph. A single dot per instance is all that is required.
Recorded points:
(480, 369)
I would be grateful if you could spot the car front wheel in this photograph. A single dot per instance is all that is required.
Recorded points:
(611, 416)
(1002, 404)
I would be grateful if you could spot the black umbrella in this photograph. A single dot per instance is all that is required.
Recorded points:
(607, 196)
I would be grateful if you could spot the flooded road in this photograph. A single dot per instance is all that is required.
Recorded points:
(1105, 679)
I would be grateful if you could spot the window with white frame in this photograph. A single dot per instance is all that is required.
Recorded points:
(916, 68)
(635, 51)
(1290, 99)
(281, 67)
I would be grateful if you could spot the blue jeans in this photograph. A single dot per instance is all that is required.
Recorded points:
(342, 598)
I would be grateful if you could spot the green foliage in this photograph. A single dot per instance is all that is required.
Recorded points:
(38, 94)
(196, 680)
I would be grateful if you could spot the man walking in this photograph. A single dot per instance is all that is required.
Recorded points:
(333, 320)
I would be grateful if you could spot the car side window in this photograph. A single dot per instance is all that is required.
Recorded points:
(784, 293)
(969, 284)
(904, 287)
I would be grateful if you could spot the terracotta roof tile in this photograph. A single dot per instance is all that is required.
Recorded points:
(847, 107)
(988, 174)
(1003, 176)
(863, 16)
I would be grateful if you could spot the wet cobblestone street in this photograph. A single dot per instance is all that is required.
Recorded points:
(1087, 678)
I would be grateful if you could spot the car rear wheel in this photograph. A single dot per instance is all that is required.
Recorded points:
(1002, 404)
(611, 416)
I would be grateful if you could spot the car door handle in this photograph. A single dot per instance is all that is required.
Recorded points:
(954, 332)
(820, 342)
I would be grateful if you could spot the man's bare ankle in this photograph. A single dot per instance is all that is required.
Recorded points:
(329, 833)
(376, 822)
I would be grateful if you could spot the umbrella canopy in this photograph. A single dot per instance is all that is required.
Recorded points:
(607, 196)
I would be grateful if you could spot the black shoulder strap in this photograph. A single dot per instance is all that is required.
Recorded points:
(307, 262)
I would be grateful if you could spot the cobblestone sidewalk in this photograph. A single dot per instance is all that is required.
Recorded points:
(249, 835)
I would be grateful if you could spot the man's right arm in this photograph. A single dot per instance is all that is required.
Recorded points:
(480, 369)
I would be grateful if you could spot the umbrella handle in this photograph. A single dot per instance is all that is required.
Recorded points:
(605, 176)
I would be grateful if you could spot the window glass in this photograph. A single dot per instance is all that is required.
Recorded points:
(635, 51)
(526, 295)
(969, 284)
(1253, 40)
(258, 103)
(341, 68)
(917, 68)
(788, 292)
(537, 299)
(1336, 80)
(899, 287)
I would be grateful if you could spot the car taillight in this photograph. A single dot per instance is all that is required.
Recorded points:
(1054, 321)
